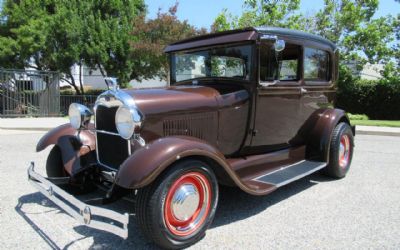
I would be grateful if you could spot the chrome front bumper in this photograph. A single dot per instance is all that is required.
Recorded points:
(80, 211)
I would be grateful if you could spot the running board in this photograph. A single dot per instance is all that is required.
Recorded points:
(288, 174)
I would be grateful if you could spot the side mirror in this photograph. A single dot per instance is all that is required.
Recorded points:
(279, 45)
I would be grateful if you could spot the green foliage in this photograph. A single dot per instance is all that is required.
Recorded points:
(109, 28)
(379, 123)
(55, 35)
(375, 99)
(263, 13)
(87, 92)
(357, 117)
(390, 73)
(151, 37)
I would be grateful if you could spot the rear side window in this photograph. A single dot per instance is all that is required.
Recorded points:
(316, 65)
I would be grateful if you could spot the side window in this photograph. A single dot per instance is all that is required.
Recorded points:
(316, 65)
(282, 66)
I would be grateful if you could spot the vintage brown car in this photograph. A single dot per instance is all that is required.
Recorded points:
(251, 108)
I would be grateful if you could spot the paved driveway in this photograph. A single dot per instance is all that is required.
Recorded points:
(358, 212)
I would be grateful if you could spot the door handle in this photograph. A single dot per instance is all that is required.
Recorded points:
(303, 91)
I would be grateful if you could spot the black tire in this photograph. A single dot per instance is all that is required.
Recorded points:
(54, 164)
(339, 163)
(152, 211)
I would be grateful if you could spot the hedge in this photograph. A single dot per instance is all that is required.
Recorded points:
(378, 100)
(87, 91)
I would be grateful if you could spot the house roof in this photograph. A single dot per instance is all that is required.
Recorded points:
(246, 34)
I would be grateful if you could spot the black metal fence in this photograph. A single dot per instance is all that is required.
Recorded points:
(66, 100)
(29, 93)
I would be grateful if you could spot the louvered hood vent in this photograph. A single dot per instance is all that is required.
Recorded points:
(202, 126)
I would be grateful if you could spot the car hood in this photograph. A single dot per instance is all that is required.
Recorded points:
(175, 99)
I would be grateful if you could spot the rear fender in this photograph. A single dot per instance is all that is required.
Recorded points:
(147, 163)
(320, 135)
(72, 145)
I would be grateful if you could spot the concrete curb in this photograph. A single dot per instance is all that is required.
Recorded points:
(375, 130)
(26, 129)
(384, 133)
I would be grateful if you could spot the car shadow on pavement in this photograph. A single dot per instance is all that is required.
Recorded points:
(101, 240)
(234, 205)
(36, 198)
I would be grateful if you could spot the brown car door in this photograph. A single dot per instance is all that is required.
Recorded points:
(295, 86)
(278, 114)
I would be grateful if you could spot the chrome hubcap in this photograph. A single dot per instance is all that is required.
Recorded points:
(185, 202)
(188, 204)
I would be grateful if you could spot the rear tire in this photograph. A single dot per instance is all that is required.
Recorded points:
(341, 151)
(176, 209)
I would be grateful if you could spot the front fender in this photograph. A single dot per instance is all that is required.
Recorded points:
(72, 146)
(54, 135)
(146, 163)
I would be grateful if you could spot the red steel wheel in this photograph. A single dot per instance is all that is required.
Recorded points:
(177, 208)
(341, 151)
(344, 151)
(187, 204)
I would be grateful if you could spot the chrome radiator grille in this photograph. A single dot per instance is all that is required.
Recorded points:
(111, 149)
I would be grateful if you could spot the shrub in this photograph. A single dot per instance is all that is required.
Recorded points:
(87, 91)
(379, 100)
(358, 117)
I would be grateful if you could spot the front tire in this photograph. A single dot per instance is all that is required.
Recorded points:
(341, 151)
(176, 210)
(55, 169)
(54, 164)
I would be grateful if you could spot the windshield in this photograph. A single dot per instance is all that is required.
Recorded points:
(227, 62)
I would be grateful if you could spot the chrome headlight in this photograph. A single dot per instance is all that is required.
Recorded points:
(128, 121)
(79, 115)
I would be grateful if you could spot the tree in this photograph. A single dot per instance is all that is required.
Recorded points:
(359, 36)
(55, 35)
(263, 13)
(150, 38)
(109, 34)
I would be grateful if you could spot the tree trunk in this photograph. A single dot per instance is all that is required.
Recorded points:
(73, 84)
(102, 72)
(80, 81)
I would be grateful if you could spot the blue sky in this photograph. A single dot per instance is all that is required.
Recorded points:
(202, 13)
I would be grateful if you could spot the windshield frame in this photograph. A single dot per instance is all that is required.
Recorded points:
(251, 68)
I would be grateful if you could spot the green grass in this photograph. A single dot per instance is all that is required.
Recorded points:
(363, 120)
(379, 123)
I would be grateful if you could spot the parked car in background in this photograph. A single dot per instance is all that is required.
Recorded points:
(251, 108)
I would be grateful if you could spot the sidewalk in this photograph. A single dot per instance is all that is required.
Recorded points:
(374, 130)
(37, 124)
(47, 123)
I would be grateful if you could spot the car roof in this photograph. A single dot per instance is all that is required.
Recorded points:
(245, 34)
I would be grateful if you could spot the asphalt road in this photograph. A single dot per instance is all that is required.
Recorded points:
(358, 212)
